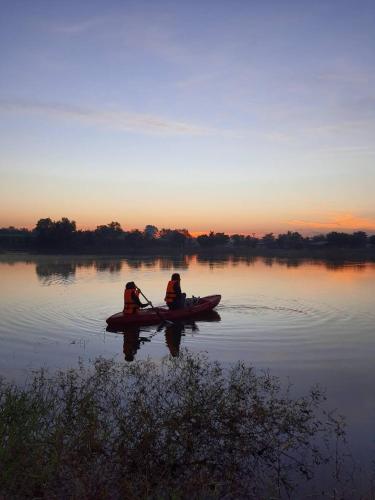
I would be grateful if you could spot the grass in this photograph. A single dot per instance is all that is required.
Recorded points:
(185, 428)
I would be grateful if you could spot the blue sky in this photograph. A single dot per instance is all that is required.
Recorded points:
(226, 115)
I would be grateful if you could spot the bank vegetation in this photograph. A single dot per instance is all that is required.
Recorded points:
(182, 428)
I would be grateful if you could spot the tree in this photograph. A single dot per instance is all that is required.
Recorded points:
(111, 230)
(290, 240)
(221, 238)
(55, 234)
(44, 231)
(150, 232)
(336, 239)
(174, 237)
(251, 241)
(65, 230)
(134, 238)
(213, 239)
(238, 240)
(268, 240)
(359, 239)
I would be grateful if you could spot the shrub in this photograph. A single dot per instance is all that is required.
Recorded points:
(183, 428)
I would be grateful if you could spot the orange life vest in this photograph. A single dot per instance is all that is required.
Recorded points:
(170, 295)
(130, 306)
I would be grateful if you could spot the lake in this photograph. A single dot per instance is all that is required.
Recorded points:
(306, 321)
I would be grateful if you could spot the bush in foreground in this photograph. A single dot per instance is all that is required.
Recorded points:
(185, 428)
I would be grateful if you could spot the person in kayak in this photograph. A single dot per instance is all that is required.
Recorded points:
(131, 299)
(174, 298)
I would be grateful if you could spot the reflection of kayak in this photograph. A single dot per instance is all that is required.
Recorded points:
(151, 317)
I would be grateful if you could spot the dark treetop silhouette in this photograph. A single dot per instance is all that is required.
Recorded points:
(62, 236)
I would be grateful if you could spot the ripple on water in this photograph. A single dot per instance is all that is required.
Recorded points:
(293, 322)
(51, 320)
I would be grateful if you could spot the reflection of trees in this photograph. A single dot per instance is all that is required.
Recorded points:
(213, 260)
(134, 263)
(290, 262)
(268, 261)
(339, 265)
(150, 262)
(329, 263)
(48, 270)
(85, 264)
(249, 260)
(113, 266)
(235, 260)
(174, 262)
(165, 263)
(66, 269)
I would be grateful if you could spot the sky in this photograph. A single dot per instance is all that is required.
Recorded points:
(236, 115)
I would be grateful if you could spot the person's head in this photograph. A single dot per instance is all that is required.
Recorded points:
(129, 285)
(176, 277)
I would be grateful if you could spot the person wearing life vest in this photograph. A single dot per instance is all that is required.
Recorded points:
(131, 299)
(174, 298)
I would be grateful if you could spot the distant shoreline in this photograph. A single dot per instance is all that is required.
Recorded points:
(340, 254)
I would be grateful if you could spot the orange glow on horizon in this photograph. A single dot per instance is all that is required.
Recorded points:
(311, 224)
(339, 222)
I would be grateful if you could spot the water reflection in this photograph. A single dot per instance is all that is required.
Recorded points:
(112, 266)
(52, 269)
(173, 332)
(310, 320)
(132, 342)
(51, 272)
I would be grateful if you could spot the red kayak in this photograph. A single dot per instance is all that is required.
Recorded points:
(160, 314)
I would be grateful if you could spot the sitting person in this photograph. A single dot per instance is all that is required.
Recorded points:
(174, 298)
(131, 299)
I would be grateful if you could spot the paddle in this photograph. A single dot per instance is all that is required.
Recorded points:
(154, 308)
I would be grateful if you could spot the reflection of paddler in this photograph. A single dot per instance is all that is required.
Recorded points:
(132, 342)
(173, 334)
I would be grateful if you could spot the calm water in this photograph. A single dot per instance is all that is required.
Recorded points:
(309, 322)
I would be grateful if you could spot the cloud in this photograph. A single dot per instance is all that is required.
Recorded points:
(345, 74)
(116, 120)
(337, 222)
(198, 80)
(78, 27)
(355, 150)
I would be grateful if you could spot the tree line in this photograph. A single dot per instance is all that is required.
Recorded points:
(63, 236)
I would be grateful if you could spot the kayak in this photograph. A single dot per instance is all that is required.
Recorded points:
(157, 315)
(211, 316)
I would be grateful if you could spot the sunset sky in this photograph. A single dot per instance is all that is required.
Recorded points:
(237, 116)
